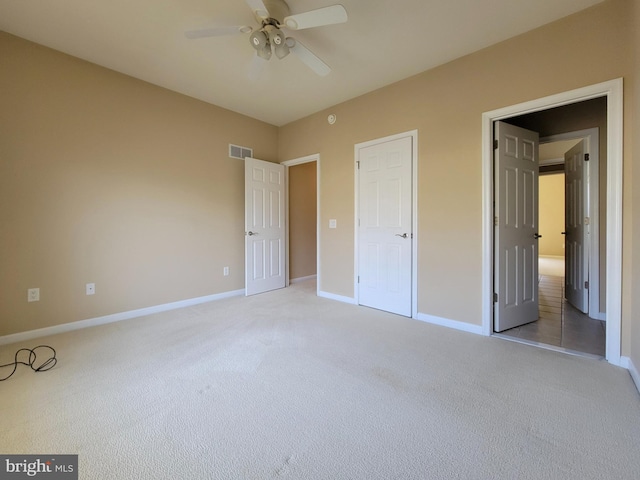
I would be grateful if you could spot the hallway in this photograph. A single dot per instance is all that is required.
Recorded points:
(560, 325)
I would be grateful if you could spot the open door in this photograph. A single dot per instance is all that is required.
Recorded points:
(264, 226)
(577, 227)
(516, 226)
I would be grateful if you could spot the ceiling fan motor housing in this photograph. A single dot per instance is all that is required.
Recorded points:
(278, 10)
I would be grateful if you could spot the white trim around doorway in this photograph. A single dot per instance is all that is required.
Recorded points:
(290, 163)
(614, 92)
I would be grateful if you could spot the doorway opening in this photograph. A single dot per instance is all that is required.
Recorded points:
(569, 282)
(610, 249)
(302, 219)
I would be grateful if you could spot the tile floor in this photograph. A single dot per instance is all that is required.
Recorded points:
(560, 324)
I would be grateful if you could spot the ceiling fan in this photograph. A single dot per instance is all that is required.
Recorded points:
(273, 15)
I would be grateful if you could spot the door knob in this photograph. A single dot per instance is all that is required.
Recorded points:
(536, 236)
(250, 233)
(404, 235)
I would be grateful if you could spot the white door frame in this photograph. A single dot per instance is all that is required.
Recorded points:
(591, 135)
(290, 163)
(614, 92)
(414, 214)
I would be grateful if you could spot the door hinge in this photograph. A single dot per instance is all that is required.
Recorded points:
(358, 278)
(495, 298)
(358, 164)
(495, 144)
(495, 221)
(586, 285)
(586, 157)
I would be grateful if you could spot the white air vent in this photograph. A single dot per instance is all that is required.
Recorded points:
(236, 151)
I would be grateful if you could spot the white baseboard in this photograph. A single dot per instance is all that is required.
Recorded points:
(339, 298)
(627, 363)
(445, 322)
(115, 317)
(302, 279)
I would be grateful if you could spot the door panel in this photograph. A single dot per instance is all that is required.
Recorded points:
(264, 226)
(576, 227)
(384, 232)
(516, 227)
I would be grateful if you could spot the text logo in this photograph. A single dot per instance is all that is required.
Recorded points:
(51, 467)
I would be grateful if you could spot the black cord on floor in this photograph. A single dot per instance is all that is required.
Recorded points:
(48, 364)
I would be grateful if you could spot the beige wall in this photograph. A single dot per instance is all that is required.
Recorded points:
(108, 179)
(633, 279)
(302, 220)
(551, 214)
(445, 105)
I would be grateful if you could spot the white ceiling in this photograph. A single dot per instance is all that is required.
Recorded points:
(384, 41)
(553, 153)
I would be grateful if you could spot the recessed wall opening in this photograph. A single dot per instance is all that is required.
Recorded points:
(571, 248)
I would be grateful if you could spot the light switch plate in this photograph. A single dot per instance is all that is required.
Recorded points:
(333, 223)
(33, 295)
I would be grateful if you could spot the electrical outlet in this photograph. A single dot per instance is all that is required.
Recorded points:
(91, 288)
(225, 271)
(33, 295)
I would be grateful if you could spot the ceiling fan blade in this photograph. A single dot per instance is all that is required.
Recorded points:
(308, 57)
(217, 31)
(257, 6)
(316, 18)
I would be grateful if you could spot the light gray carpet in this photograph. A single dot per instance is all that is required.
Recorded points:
(289, 385)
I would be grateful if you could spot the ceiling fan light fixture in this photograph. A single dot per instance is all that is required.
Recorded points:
(259, 40)
(281, 51)
(265, 52)
(277, 37)
(279, 42)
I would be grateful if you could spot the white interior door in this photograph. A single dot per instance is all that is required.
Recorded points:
(516, 227)
(264, 226)
(384, 226)
(576, 227)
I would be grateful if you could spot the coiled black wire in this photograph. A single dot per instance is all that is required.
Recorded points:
(48, 364)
